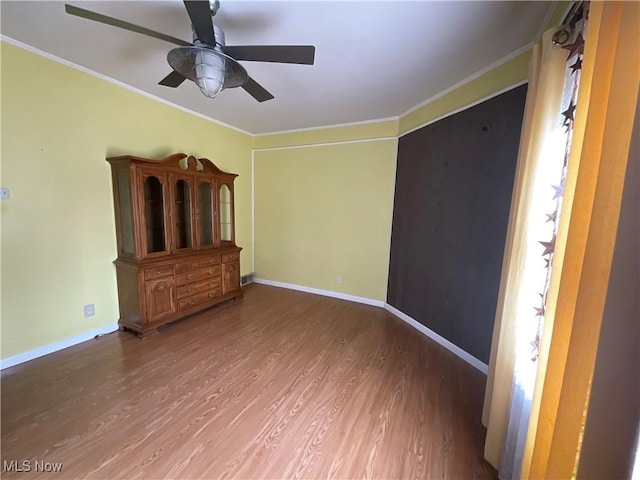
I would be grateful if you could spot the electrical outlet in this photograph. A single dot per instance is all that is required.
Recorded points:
(338, 278)
(89, 310)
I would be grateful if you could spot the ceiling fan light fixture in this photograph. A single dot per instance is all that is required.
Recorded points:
(210, 70)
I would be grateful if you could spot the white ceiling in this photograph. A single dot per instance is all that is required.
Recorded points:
(374, 59)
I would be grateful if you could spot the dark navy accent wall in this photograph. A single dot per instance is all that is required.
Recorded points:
(454, 182)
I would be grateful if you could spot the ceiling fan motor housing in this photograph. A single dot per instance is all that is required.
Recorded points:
(218, 34)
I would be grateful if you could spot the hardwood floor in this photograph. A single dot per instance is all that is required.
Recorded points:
(283, 384)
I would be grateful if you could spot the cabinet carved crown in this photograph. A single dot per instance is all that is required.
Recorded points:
(175, 232)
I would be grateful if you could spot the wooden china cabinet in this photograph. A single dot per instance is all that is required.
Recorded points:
(176, 239)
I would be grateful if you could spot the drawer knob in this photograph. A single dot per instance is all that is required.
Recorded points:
(189, 277)
(161, 288)
(210, 272)
(192, 302)
(211, 284)
(159, 272)
(190, 289)
(212, 294)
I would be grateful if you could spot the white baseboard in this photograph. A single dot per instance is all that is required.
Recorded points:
(470, 359)
(317, 291)
(54, 347)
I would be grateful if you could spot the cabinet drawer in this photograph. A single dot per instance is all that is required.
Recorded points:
(197, 264)
(157, 272)
(187, 266)
(199, 299)
(208, 261)
(199, 287)
(197, 275)
(230, 257)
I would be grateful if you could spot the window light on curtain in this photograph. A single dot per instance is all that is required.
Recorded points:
(542, 163)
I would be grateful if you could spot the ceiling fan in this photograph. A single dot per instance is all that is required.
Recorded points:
(208, 61)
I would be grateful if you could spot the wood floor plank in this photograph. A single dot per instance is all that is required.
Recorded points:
(282, 384)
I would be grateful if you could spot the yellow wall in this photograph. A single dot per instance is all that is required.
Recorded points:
(58, 234)
(325, 210)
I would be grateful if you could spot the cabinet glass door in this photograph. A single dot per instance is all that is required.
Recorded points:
(126, 212)
(206, 235)
(182, 213)
(154, 212)
(226, 216)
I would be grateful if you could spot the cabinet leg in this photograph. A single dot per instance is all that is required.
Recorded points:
(147, 332)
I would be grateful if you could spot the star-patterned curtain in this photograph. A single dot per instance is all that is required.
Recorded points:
(531, 240)
(573, 34)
